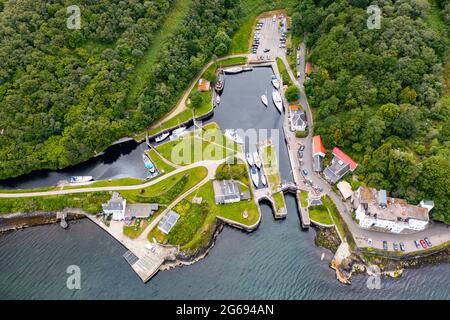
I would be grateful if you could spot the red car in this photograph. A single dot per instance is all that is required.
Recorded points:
(423, 243)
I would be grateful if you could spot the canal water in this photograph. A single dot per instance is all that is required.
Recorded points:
(277, 261)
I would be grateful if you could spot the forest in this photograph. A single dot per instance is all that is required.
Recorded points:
(63, 92)
(379, 94)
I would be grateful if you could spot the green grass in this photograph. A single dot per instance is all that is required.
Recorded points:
(303, 195)
(338, 221)
(143, 71)
(206, 105)
(236, 171)
(109, 183)
(269, 160)
(279, 201)
(284, 74)
(320, 215)
(292, 58)
(29, 190)
(162, 166)
(172, 122)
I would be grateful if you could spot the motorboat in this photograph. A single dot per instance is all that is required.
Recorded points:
(163, 136)
(217, 100)
(263, 179)
(275, 82)
(220, 81)
(233, 136)
(247, 68)
(257, 160)
(249, 158)
(148, 163)
(178, 133)
(264, 100)
(233, 70)
(276, 97)
(255, 176)
(80, 179)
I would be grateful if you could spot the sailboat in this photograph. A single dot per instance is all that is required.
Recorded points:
(255, 176)
(264, 99)
(249, 158)
(162, 136)
(257, 159)
(276, 97)
(233, 136)
(263, 179)
(275, 82)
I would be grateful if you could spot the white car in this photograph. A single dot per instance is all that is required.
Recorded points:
(274, 18)
(369, 242)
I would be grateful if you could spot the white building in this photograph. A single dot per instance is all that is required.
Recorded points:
(115, 207)
(297, 118)
(374, 209)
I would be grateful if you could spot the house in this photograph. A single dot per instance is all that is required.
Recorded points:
(115, 207)
(168, 221)
(140, 210)
(297, 118)
(374, 209)
(340, 165)
(308, 69)
(204, 85)
(226, 191)
(345, 189)
(318, 153)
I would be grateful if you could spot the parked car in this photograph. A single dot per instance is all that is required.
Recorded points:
(302, 147)
(385, 245)
(369, 242)
(274, 18)
(395, 245)
(300, 154)
(402, 246)
(417, 244)
(305, 172)
(266, 50)
(428, 242)
(423, 244)
(301, 162)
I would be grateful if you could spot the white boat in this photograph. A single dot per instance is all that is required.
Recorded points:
(162, 136)
(276, 97)
(247, 69)
(80, 179)
(255, 176)
(264, 100)
(275, 82)
(233, 70)
(178, 133)
(233, 136)
(257, 159)
(148, 163)
(217, 100)
(263, 179)
(249, 158)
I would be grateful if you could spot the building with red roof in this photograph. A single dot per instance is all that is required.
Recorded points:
(308, 69)
(203, 85)
(340, 165)
(318, 147)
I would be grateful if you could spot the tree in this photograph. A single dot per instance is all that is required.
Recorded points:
(197, 100)
(292, 93)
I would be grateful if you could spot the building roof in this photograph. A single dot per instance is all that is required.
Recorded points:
(115, 203)
(345, 188)
(308, 69)
(203, 85)
(228, 189)
(318, 147)
(395, 209)
(298, 118)
(345, 158)
(168, 221)
(140, 210)
(294, 107)
(317, 163)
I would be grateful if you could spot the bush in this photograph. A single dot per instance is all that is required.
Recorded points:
(292, 93)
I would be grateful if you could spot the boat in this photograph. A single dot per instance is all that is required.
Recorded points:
(264, 100)
(220, 82)
(249, 158)
(275, 82)
(233, 70)
(257, 159)
(247, 68)
(217, 100)
(162, 136)
(80, 179)
(255, 176)
(263, 179)
(233, 136)
(178, 133)
(148, 163)
(276, 97)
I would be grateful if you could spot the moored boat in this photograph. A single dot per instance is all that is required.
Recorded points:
(217, 100)
(264, 100)
(162, 136)
(247, 68)
(178, 133)
(233, 70)
(220, 82)
(255, 176)
(263, 179)
(148, 163)
(256, 159)
(80, 179)
(275, 82)
(276, 97)
(233, 136)
(249, 158)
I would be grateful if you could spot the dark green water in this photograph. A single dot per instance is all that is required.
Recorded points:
(277, 261)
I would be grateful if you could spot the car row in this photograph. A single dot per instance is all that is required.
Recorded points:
(420, 244)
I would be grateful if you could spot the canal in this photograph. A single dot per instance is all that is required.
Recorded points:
(277, 261)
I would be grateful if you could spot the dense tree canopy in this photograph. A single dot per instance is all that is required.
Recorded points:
(378, 93)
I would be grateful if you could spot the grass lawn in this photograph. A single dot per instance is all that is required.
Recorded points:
(133, 231)
(109, 183)
(237, 171)
(172, 122)
(29, 190)
(269, 159)
(303, 195)
(283, 72)
(279, 201)
(190, 148)
(320, 214)
(210, 73)
(143, 70)
(162, 166)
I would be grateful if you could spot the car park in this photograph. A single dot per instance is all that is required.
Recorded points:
(423, 244)
(402, 246)
(385, 245)
(428, 242)
(417, 244)
(395, 245)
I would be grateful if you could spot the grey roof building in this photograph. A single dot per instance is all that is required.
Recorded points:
(168, 221)
(226, 191)
(317, 163)
(115, 206)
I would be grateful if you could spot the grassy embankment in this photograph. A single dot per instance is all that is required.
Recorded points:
(303, 196)
(278, 198)
(190, 148)
(320, 214)
(160, 164)
(284, 74)
(338, 221)
(270, 164)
